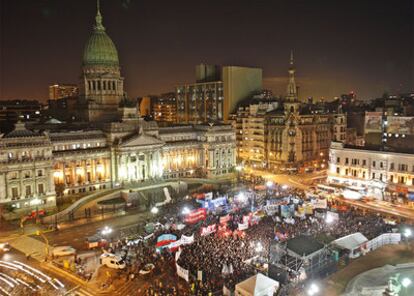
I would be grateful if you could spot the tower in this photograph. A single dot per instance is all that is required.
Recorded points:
(102, 87)
(291, 102)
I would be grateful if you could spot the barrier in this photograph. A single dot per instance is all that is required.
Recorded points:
(384, 239)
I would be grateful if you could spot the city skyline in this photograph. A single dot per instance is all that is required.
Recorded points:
(154, 62)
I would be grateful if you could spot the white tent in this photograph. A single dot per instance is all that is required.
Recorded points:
(257, 285)
(355, 243)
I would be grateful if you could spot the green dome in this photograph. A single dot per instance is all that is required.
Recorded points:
(100, 50)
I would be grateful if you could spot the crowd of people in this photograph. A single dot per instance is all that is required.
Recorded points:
(221, 259)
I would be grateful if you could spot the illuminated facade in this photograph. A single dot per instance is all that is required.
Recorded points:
(59, 91)
(26, 169)
(37, 167)
(287, 134)
(372, 170)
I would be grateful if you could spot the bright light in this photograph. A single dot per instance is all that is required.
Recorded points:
(106, 230)
(329, 219)
(313, 289)
(239, 168)
(99, 168)
(154, 210)
(406, 282)
(241, 196)
(351, 194)
(284, 187)
(185, 211)
(407, 232)
(259, 247)
(269, 184)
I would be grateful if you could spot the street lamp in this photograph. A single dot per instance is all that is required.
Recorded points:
(259, 247)
(407, 233)
(269, 184)
(313, 289)
(284, 187)
(405, 282)
(154, 210)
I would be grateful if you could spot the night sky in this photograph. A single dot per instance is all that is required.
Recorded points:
(366, 46)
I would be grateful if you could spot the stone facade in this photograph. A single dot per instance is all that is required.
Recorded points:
(286, 133)
(384, 174)
(37, 167)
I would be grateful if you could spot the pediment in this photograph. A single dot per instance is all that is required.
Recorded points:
(141, 140)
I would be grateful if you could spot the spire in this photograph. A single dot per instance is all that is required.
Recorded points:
(98, 18)
(291, 88)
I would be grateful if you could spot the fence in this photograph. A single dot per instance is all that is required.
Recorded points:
(384, 239)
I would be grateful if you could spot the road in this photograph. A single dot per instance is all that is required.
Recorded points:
(76, 236)
(20, 276)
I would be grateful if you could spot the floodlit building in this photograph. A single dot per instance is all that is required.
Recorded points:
(286, 134)
(110, 146)
(372, 172)
(59, 91)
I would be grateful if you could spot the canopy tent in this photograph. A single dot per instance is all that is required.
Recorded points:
(353, 242)
(257, 285)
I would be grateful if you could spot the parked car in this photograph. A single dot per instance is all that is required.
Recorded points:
(112, 261)
(63, 251)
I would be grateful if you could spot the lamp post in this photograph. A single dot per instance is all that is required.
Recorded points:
(313, 289)
(406, 282)
(407, 233)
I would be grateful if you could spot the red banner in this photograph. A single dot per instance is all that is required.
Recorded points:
(225, 219)
(196, 215)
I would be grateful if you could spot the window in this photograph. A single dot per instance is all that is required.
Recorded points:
(373, 175)
(338, 170)
(380, 177)
(346, 160)
(40, 188)
(27, 174)
(364, 162)
(28, 190)
(373, 163)
(363, 175)
(346, 172)
(39, 173)
(15, 192)
(392, 178)
(381, 164)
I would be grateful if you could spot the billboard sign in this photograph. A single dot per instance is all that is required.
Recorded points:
(373, 122)
(400, 125)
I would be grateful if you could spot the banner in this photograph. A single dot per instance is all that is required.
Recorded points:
(208, 195)
(182, 272)
(165, 239)
(187, 240)
(373, 122)
(196, 216)
(287, 211)
(208, 230)
(243, 226)
(225, 219)
(175, 245)
(400, 125)
(319, 203)
(178, 254)
(200, 275)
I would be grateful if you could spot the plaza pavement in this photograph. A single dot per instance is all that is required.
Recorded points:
(336, 284)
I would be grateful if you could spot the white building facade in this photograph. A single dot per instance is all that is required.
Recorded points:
(382, 174)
